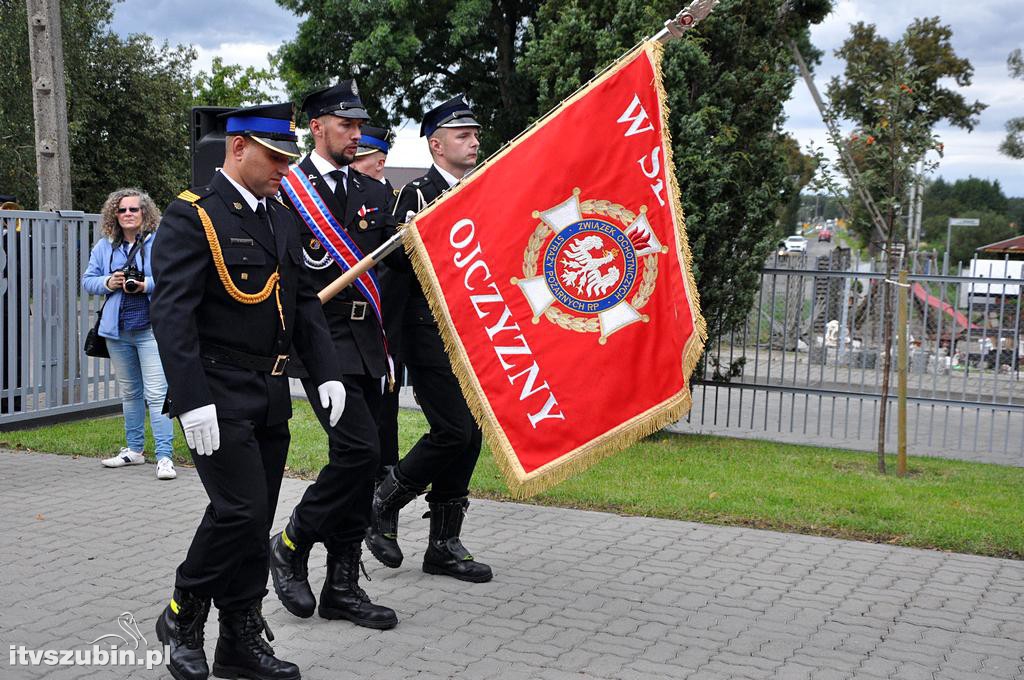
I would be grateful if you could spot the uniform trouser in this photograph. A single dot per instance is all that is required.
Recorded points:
(228, 558)
(387, 427)
(445, 456)
(335, 509)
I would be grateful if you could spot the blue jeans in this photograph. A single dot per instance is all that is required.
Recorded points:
(141, 379)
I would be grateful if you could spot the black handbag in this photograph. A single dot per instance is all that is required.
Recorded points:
(95, 345)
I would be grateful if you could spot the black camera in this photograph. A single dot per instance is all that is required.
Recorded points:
(133, 279)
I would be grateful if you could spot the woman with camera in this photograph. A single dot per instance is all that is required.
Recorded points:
(120, 269)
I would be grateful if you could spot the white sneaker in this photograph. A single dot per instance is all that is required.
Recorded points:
(125, 457)
(165, 469)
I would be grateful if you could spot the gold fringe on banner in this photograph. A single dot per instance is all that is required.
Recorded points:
(522, 484)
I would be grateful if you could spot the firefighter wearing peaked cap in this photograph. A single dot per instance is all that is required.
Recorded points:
(339, 207)
(444, 458)
(230, 301)
(372, 154)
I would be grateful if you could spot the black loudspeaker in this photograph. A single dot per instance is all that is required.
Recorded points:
(207, 142)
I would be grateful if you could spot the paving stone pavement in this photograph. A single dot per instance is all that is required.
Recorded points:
(577, 595)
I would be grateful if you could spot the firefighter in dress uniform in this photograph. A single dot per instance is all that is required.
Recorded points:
(444, 458)
(335, 510)
(230, 301)
(371, 156)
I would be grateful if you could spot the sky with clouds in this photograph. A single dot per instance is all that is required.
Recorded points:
(984, 32)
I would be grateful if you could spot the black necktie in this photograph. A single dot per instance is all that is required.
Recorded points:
(339, 188)
(261, 212)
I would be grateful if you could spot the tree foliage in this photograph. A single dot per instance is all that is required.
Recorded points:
(727, 83)
(1013, 145)
(408, 55)
(976, 198)
(128, 102)
(128, 106)
(232, 85)
(895, 93)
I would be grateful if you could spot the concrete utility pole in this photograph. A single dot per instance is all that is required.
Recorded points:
(49, 104)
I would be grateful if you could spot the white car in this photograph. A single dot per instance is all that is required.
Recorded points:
(795, 244)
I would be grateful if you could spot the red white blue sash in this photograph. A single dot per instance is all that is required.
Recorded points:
(332, 236)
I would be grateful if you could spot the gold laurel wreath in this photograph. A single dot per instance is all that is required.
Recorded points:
(582, 324)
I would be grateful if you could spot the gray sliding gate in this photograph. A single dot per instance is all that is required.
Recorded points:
(44, 317)
(806, 367)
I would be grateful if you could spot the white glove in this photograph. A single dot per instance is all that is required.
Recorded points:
(201, 430)
(332, 394)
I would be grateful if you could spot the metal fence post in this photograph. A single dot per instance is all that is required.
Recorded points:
(901, 418)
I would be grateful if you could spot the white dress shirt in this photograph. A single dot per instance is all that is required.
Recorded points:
(325, 168)
(249, 198)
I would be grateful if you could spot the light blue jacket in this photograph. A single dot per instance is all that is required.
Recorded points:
(102, 265)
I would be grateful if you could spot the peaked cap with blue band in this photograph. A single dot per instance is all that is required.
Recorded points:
(340, 100)
(453, 113)
(272, 125)
(373, 139)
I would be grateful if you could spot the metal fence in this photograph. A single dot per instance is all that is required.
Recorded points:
(806, 366)
(44, 318)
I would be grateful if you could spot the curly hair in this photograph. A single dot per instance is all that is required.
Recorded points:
(111, 228)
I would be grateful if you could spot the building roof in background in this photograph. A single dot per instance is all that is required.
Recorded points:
(1010, 245)
(399, 177)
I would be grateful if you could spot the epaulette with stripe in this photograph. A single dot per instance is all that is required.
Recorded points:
(194, 194)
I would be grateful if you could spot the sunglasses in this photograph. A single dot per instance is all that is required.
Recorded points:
(133, 209)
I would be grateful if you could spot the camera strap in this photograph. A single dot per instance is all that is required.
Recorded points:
(131, 254)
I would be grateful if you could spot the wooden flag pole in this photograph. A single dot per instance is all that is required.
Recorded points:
(368, 262)
(674, 28)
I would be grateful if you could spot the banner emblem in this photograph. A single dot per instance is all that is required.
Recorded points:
(589, 255)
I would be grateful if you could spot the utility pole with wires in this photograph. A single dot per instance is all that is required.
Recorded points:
(49, 104)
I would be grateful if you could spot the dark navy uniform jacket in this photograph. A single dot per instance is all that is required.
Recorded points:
(412, 330)
(191, 307)
(359, 343)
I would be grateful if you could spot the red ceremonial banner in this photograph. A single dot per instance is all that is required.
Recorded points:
(559, 273)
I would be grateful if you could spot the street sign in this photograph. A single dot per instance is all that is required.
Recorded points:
(956, 222)
(964, 222)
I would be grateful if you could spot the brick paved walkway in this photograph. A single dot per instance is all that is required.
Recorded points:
(577, 595)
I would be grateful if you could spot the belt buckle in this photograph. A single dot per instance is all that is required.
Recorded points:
(279, 364)
(358, 310)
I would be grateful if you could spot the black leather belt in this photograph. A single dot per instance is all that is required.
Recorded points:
(355, 310)
(213, 354)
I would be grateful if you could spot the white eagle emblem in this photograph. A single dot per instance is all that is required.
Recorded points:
(590, 266)
(583, 270)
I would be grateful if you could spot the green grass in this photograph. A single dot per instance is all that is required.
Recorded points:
(948, 505)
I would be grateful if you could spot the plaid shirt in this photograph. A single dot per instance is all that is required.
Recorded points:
(134, 312)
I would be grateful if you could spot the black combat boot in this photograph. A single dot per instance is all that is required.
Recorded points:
(445, 553)
(289, 561)
(390, 496)
(342, 598)
(243, 653)
(181, 628)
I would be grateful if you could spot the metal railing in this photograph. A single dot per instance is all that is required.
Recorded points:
(44, 318)
(806, 366)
